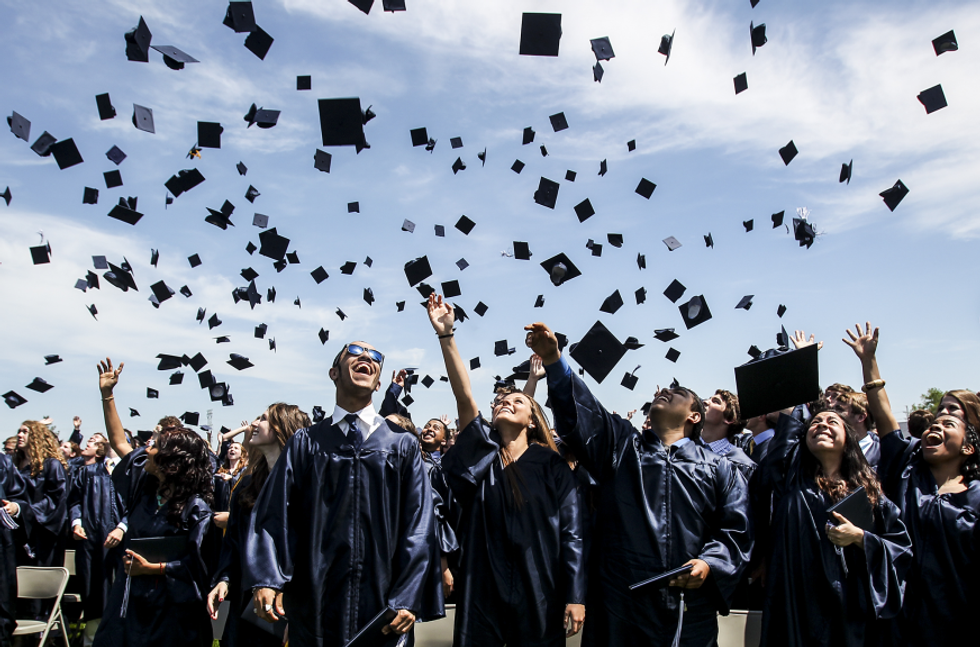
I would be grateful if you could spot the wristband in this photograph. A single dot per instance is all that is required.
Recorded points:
(111, 397)
(447, 336)
(872, 385)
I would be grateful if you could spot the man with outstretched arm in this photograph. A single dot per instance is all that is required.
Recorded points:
(665, 502)
(344, 525)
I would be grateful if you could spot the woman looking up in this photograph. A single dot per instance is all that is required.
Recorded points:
(523, 571)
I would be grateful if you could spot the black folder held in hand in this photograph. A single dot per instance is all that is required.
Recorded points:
(856, 508)
(157, 550)
(371, 634)
(662, 580)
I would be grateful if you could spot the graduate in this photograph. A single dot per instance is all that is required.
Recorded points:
(828, 581)
(665, 502)
(523, 572)
(94, 510)
(344, 525)
(936, 483)
(266, 438)
(161, 603)
(444, 506)
(11, 487)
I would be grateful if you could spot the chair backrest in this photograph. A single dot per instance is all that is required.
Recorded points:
(70, 561)
(40, 583)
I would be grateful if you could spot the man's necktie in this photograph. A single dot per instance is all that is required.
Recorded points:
(353, 430)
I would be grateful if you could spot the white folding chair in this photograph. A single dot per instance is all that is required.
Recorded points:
(70, 565)
(38, 583)
(740, 628)
(437, 633)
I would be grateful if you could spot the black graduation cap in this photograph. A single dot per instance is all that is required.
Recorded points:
(92, 310)
(152, 394)
(451, 289)
(666, 43)
(440, 231)
(41, 254)
(13, 399)
(260, 220)
(754, 351)
(674, 291)
(194, 260)
(43, 144)
(602, 49)
(400, 305)
(176, 378)
(304, 82)
(112, 179)
(528, 136)
(612, 303)
(240, 16)
(616, 240)
(39, 385)
(894, 195)
(465, 225)
(261, 117)
(555, 265)
(209, 134)
(757, 33)
(462, 264)
(191, 418)
(198, 362)
(539, 301)
(418, 270)
(348, 268)
(598, 352)
(788, 152)
(641, 296)
(115, 155)
(419, 136)
(540, 34)
(741, 83)
(368, 296)
(644, 188)
(480, 309)
(120, 278)
(845, 171)
(168, 362)
(945, 43)
(933, 99)
(604, 168)
(201, 313)
(66, 153)
(409, 226)
(522, 251)
(324, 336)
(595, 247)
(213, 322)
(547, 193)
(749, 225)
(138, 42)
(51, 359)
(184, 180)
(90, 196)
(456, 142)
(238, 362)
(242, 169)
(584, 210)
(272, 245)
(482, 157)
(665, 334)
(92, 279)
(803, 232)
(782, 338)
(271, 295)
(779, 381)
(780, 311)
(629, 381)
(340, 313)
(341, 122)
(161, 291)
(641, 261)
(249, 274)
(143, 118)
(672, 354)
(777, 219)
(695, 311)
(558, 121)
(260, 331)
(258, 42)
(20, 126)
(319, 275)
(597, 72)
(500, 348)
(745, 302)
(353, 207)
(458, 165)
(474, 363)
(517, 167)
(709, 241)
(672, 243)
(174, 58)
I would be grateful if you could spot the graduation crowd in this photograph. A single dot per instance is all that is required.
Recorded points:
(840, 527)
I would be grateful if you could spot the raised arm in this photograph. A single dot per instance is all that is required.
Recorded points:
(108, 378)
(442, 318)
(537, 372)
(865, 346)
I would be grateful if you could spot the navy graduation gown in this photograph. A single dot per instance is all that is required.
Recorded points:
(943, 589)
(11, 488)
(93, 499)
(43, 515)
(168, 610)
(816, 595)
(659, 507)
(520, 565)
(444, 506)
(343, 532)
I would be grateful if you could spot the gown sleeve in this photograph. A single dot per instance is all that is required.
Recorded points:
(729, 545)
(75, 494)
(391, 405)
(889, 557)
(441, 505)
(780, 467)
(50, 509)
(572, 537)
(229, 568)
(595, 435)
(470, 460)
(271, 548)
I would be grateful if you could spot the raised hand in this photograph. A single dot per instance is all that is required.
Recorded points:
(863, 344)
(398, 377)
(800, 341)
(108, 377)
(537, 368)
(441, 314)
(543, 342)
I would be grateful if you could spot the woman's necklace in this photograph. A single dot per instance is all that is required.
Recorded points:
(160, 502)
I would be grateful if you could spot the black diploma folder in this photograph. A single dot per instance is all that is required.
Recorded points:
(856, 508)
(157, 550)
(659, 581)
(370, 634)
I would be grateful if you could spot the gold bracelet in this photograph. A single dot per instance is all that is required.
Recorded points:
(872, 385)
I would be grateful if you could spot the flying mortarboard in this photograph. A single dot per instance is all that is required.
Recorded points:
(777, 382)
(194, 260)
(602, 49)
(20, 126)
(788, 152)
(143, 118)
(209, 134)
(597, 72)
(665, 334)
(553, 266)
(353, 207)
(612, 303)
(240, 17)
(595, 247)
(348, 268)
(462, 264)
(933, 99)
(176, 378)
(260, 220)
(517, 167)
(41, 254)
(528, 136)
(51, 359)
(102, 102)
(539, 301)
(749, 225)
(544, 151)
(124, 213)
(945, 43)
(641, 295)
(695, 311)
(616, 240)
(321, 161)
(465, 225)
(500, 348)
(741, 83)
(641, 261)
(213, 322)
(440, 231)
(152, 393)
(672, 354)
(260, 331)
(780, 311)
(480, 308)
(418, 270)
(540, 34)
(629, 381)
(183, 181)
(757, 33)
(598, 352)
(258, 42)
(239, 362)
(115, 155)
(13, 399)
(419, 136)
(584, 210)
(272, 245)
(174, 58)
(39, 385)
(672, 243)
(112, 179)
(138, 42)
(745, 302)
(803, 232)
(198, 362)
(409, 226)
(458, 165)
(644, 188)
(522, 251)
(304, 82)
(368, 296)
(894, 195)
(191, 418)
(161, 291)
(631, 145)
(261, 117)
(558, 121)
(777, 219)
(319, 275)
(340, 313)
(666, 44)
(456, 142)
(341, 122)
(92, 310)
(709, 241)
(846, 171)
(674, 291)
(547, 193)
(66, 153)
(90, 196)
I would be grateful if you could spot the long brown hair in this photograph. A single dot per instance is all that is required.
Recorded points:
(855, 471)
(242, 462)
(184, 462)
(284, 421)
(41, 445)
(539, 434)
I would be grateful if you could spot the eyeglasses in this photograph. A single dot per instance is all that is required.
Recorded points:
(372, 354)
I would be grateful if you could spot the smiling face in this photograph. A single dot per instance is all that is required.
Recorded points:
(433, 435)
(67, 450)
(356, 373)
(22, 435)
(714, 410)
(945, 441)
(234, 452)
(826, 434)
(262, 433)
(513, 409)
(91, 448)
(674, 408)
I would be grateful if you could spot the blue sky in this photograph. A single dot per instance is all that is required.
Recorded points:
(840, 79)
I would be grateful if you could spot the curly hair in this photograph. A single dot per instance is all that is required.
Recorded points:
(284, 421)
(855, 471)
(184, 463)
(41, 445)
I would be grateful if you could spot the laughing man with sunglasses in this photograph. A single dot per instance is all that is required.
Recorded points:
(344, 527)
